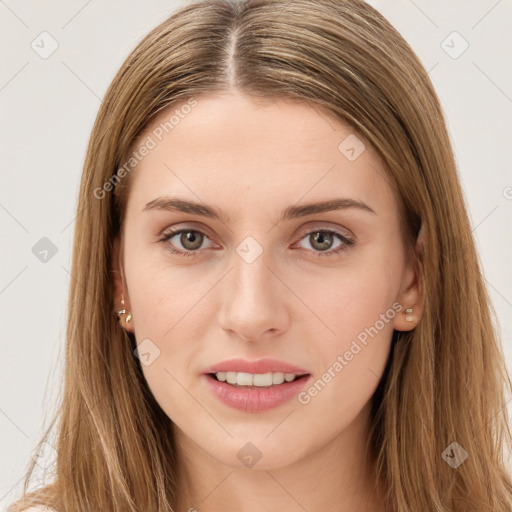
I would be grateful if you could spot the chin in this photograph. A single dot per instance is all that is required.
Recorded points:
(257, 453)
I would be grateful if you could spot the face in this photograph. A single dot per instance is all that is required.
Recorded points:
(319, 291)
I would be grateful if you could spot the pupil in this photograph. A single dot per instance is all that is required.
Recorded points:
(191, 237)
(322, 239)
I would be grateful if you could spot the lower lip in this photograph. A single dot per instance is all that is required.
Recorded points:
(250, 399)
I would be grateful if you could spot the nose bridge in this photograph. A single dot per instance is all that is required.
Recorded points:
(252, 301)
(252, 274)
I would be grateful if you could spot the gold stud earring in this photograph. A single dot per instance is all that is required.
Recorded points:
(123, 311)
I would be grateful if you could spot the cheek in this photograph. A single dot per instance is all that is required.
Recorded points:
(349, 299)
(345, 383)
(164, 307)
(163, 295)
(355, 307)
(166, 315)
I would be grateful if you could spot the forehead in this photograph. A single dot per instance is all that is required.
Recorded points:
(229, 146)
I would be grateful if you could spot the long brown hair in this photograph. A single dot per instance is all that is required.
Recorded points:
(445, 381)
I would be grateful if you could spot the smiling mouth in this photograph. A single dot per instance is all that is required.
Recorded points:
(256, 381)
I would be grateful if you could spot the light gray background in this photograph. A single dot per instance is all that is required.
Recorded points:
(48, 107)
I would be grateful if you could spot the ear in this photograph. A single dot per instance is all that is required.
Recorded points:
(120, 289)
(410, 296)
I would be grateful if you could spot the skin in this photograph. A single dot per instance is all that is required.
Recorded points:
(254, 159)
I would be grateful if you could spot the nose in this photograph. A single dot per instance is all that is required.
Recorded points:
(255, 300)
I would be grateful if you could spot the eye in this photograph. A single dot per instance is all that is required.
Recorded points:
(321, 240)
(190, 239)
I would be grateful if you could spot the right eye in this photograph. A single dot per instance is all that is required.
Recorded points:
(190, 239)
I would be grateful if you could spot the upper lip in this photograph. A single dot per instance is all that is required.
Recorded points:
(259, 366)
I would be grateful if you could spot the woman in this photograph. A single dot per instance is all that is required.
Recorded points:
(284, 308)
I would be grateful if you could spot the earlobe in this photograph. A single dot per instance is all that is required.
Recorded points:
(411, 296)
(121, 302)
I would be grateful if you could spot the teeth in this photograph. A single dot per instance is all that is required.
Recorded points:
(260, 379)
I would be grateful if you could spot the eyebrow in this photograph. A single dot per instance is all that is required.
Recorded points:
(167, 203)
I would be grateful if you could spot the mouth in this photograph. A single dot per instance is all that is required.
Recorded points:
(257, 385)
(257, 380)
(254, 393)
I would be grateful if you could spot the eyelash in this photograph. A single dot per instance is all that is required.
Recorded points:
(347, 242)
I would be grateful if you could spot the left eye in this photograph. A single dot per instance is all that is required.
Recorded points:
(191, 240)
(323, 239)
